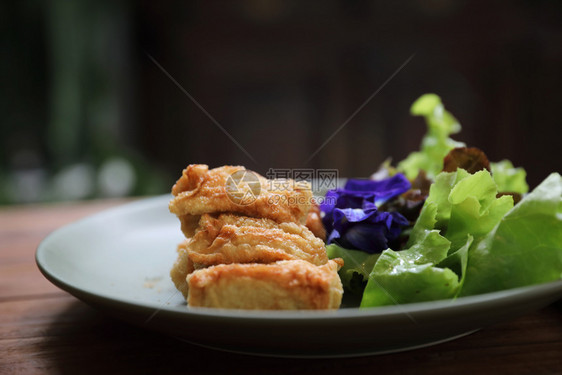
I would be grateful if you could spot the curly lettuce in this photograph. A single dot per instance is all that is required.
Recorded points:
(415, 274)
(525, 248)
(468, 238)
(459, 204)
(436, 142)
(509, 178)
(461, 208)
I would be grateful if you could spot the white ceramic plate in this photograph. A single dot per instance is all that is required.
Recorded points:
(118, 261)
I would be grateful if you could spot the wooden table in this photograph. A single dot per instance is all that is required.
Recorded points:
(46, 330)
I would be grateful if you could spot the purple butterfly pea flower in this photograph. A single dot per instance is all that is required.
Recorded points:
(352, 218)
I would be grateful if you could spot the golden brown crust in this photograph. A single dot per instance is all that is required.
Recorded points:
(231, 238)
(284, 285)
(182, 267)
(247, 243)
(200, 191)
(314, 222)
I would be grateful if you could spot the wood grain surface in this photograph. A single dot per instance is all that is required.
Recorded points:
(44, 330)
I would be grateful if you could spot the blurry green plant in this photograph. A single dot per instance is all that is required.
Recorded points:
(87, 147)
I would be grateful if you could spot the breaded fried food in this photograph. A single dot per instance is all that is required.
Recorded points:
(314, 222)
(284, 285)
(182, 267)
(231, 238)
(251, 243)
(234, 189)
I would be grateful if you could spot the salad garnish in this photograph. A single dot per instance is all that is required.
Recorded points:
(444, 223)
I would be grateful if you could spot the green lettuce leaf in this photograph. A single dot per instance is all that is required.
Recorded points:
(461, 208)
(416, 274)
(508, 178)
(460, 203)
(356, 268)
(436, 143)
(525, 248)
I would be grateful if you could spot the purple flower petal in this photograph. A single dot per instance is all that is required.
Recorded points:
(366, 237)
(383, 189)
(368, 230)
(329, 201)
(351, 215)
(353, 220)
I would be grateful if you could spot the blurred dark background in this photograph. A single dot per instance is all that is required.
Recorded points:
(86, 112)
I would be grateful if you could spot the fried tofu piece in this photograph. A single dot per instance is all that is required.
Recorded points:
(234, 189)
(252, 243)
(284, 285)
(231, 238)
(182, 267)
(314, 222)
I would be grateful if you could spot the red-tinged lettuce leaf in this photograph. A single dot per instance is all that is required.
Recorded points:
(410, 203)
(471, 159)
(525, 248)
